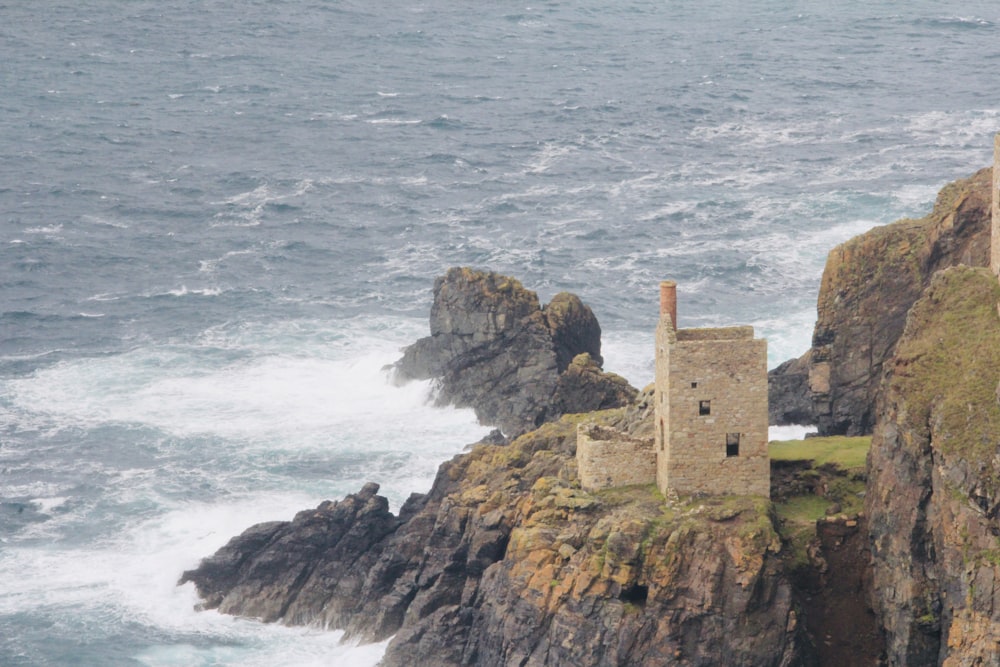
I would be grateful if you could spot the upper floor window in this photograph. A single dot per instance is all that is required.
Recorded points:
(704, 407)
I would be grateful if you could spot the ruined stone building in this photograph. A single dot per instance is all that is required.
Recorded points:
(711, 407)
(711, 416)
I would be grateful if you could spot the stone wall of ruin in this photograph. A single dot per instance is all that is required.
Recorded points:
(606, 458)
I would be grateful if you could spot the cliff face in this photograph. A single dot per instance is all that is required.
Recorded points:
(934, 479)
(494, 348)
(508, 562)
(868, 286)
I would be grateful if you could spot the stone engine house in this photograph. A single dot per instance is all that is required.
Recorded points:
(711, 407)
(710, 411)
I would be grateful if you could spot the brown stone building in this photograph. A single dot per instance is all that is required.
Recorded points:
(711, 417)
(711, 407)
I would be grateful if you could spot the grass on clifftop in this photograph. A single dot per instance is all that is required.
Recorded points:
(835, 472)
(844, 452)
(948, 363)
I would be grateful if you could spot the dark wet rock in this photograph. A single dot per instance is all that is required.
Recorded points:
(584, 387)
(508, 561)
(933, 496)
(788, 398)
(868, 286)
(574, 330)
(494, 349)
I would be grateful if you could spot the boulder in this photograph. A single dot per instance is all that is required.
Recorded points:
(584, 387)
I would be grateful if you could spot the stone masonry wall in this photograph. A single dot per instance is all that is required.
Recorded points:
(606, 458)
(727, 368)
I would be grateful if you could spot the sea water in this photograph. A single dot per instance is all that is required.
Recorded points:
(221, 220)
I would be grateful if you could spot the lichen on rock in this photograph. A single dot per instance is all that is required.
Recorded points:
(508, 561)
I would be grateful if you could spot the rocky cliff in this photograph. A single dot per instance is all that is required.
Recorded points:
(868, 286)
(494, 348)
(934, 479)
(507, 561)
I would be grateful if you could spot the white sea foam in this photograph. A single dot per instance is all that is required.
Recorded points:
(107, 296)
(134, 575)
(46, 229)
(546, 157)
(629, 354)
(46, 505)
(267, 394)
(294, 387)
(916, 199)
(393, 121)
(787, 337)
(210, 265)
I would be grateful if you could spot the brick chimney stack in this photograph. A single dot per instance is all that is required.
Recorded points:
(668, 300)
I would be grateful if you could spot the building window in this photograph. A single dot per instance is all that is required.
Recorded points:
(732, 444)
(704, 407)
(694, 385)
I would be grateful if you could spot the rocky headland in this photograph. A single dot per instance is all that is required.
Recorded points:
(508, 561)
(868, 287)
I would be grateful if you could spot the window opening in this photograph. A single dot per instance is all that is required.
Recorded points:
(704, 407)
(694, 385)
(732, 444)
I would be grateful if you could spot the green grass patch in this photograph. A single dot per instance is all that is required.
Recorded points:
(802, 509)
(948, 362)
(844, 452)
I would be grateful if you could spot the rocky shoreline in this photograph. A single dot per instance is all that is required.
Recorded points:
(508, 561)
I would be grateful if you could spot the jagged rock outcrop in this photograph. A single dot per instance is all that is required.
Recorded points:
(868, 286)
(788, 398)
(493, 348)
(934, 479)
(574, 330)
(508, 561)
(584, 387)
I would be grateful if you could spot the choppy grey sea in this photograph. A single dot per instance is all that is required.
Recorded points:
(220, 220)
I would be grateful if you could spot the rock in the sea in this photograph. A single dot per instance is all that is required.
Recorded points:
(574, 330)
(507, 561)
(789, 400)
(493, 348)
(933, 497)
(584, 387)
(868, 286)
